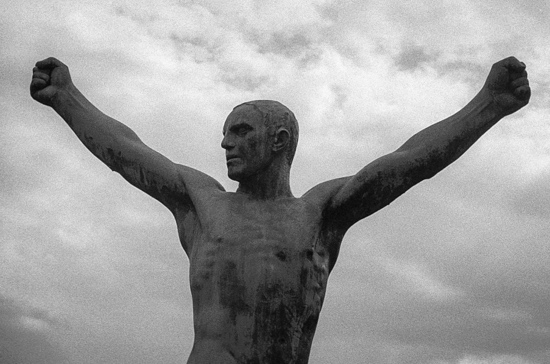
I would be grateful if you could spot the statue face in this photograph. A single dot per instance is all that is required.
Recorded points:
(246, 142)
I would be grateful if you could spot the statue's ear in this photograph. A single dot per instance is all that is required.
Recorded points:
(281, 139)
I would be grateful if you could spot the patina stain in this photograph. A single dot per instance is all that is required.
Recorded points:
(233, 290)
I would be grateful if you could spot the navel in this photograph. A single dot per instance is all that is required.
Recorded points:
(281, 255)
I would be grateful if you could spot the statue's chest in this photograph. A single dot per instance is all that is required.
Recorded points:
(258, 245)
(270, 225)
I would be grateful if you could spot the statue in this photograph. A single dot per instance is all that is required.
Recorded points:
(260, 257)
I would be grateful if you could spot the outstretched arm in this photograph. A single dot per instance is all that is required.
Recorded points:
(428, 152)
(112, 142)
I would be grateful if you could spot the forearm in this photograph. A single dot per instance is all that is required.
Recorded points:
(101, 134)
(442, 143)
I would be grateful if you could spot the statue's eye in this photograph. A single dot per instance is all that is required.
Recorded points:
(243, 130)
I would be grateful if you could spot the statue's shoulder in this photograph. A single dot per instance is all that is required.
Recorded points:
(322, 193)
(194, 179)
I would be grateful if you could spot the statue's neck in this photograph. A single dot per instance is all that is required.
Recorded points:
(267, 185)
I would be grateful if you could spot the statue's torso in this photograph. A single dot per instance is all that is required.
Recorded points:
(258, 273)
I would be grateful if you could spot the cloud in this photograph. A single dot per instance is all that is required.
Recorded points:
(455, 271)
(533, 198)
(415, 278)
(24, 335)
(411, 58)
(500, 359)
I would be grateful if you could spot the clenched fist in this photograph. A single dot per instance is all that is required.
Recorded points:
(508, 85)
(48, 78)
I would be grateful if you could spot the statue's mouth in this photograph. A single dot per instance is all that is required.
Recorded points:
(232, 159)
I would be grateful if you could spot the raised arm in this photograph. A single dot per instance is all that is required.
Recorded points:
(112, 142)
(434, 148)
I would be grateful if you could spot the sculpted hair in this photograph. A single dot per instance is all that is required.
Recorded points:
(277, 115)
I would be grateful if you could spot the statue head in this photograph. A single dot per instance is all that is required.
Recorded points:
(258, 134)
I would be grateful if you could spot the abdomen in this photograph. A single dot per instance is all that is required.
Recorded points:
(260, 302)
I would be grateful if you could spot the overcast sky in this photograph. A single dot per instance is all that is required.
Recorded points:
(456, 271)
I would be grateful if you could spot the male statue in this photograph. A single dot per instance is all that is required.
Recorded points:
(260, 257)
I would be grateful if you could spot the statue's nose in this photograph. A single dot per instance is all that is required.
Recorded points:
(227, 143)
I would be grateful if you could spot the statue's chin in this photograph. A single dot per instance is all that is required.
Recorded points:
(238, 172)
(240, 176)
(235, 176)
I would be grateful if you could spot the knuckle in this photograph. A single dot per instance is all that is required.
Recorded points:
(511, 60)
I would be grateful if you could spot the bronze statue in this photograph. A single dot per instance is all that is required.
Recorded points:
(260, 257)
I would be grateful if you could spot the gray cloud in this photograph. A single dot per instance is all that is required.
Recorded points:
(411, 57)
(24, 337)
(534, 198)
